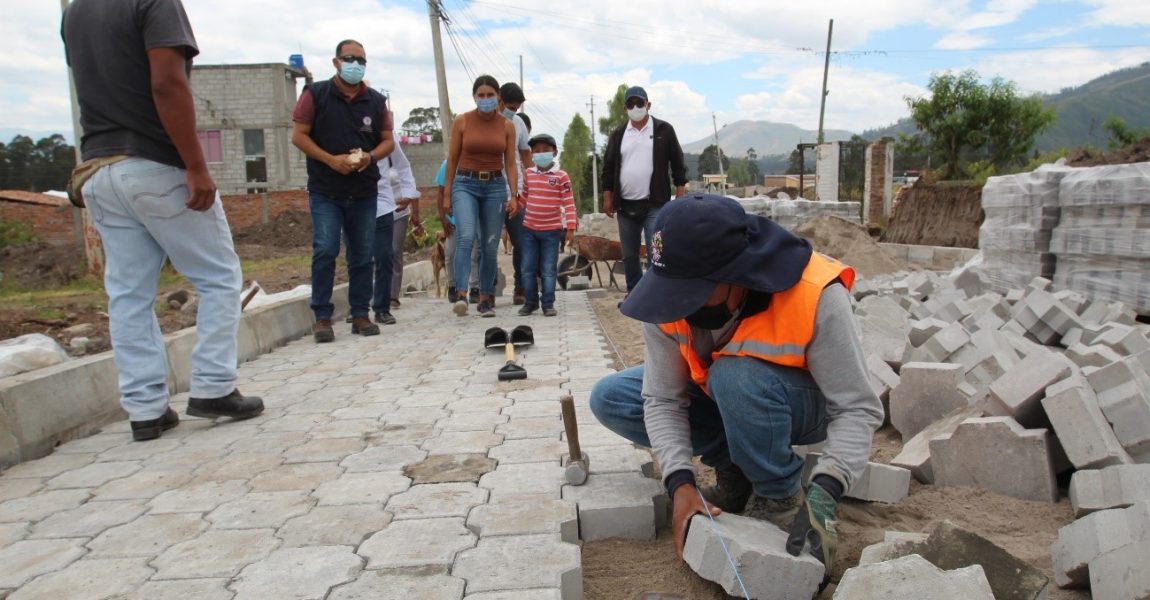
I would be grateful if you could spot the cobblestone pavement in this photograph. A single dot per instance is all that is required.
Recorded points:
(393, 466)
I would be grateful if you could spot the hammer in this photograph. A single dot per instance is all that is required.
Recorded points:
(578, 464)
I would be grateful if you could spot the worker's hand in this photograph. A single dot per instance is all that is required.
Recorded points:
(608, 204)
(341, 163)
(685, 505)
(201, 190)
(815, 524)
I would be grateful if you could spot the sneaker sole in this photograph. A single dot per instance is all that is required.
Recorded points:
(460, 309)
(204, 414)
(365, 332)
(487, 314)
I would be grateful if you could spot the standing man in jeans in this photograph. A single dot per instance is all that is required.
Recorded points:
(151, 198)
(344, 127)
(640, 154)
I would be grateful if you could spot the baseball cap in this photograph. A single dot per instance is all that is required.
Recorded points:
(635, 92)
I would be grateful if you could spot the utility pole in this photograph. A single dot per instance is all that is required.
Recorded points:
(826, 69)
(594, 161)
(86, 230)
(440, 74)
(521, 71)
(718, 149)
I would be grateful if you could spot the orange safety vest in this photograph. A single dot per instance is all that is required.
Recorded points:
(779, 334)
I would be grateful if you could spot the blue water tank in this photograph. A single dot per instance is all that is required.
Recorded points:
(296, 61)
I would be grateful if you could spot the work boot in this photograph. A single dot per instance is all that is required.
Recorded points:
(385, 318)
(778, 511)
(549, 311)
(322, 331)
(364, 326)
(234, 405)
(731, 490)
(152, 428)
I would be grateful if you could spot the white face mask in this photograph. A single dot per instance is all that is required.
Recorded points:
(637, 113)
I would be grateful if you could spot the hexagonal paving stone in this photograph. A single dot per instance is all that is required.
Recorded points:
(529, 450)
(383, 458)
(344, 428)
(393, 585)
(524, 479)
(274, 442)
(176, 589)
(88, 579)
(525, 515)
(260, 509)
(50, 466)
(147, 536)
(238, 466)
(300, 476)
(139, 451)
(143, 484)
(472, 421)
(18, 488)
(436, 500)
(483, 404)
(93, 475)
(531, 427)
(465, 442)
(29, 558)
(361, 488)
(215, 553)
(446, 468)
(324, 450)
(198, 497)
(88, 520)
(521, 562)
(416, 543)
(400, 435)
(346, 525)
(43, 504)
(10, 533)
(297, 573)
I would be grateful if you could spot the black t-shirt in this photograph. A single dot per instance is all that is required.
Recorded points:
(106, 44)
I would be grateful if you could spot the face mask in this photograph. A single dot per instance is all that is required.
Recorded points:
(637, 113)
(543, 159)
(487, 105)
(507, 112)
(352, 73)
(712, 317)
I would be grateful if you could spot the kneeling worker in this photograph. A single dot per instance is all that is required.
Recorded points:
(751, 347)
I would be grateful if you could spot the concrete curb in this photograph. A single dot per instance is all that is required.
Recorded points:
(43, 408)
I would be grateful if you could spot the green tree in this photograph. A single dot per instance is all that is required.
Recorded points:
(576, 159)
(709, 161)
(616, 111)
(1122, 135)
(425, 120)
(965, 121)
(754, 174)
(739, 174)
(36, 166)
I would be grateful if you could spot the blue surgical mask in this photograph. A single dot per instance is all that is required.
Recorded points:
(352, 73)
(510, 114)
(543, 159)
(487, 105)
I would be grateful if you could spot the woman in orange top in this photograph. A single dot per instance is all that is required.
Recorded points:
(480, 162)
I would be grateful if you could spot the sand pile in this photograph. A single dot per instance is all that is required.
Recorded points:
(288, 229)
(850, 243)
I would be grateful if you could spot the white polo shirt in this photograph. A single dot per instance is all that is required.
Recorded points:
(637, 154)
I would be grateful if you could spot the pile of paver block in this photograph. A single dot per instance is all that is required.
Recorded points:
(1005, 391)
(791, 213)
(1021, 212)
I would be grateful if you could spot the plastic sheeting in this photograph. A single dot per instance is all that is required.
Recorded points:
(28, 353)
(791, 213)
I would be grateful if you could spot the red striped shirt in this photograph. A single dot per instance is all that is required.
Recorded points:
(548, 200)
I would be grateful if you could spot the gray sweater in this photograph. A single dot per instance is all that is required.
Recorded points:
(836, 363)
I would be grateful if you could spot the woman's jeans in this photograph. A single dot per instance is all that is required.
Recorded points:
(478, 209)
(755, 412)
(540, 255)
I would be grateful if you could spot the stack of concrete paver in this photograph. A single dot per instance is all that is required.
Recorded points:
(792, 213)
(1102, 241)
(386, 467)
(1021, 212)
(1005, 392)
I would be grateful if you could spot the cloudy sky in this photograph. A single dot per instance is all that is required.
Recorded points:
(757, 59)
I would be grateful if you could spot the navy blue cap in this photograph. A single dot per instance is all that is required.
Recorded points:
(635, 92)
(701, 240)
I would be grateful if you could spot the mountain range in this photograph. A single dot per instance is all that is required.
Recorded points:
(1081, 111)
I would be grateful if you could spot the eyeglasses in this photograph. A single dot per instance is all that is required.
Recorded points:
(347, 58)
(635, 103)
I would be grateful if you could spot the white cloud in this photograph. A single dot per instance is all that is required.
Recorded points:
(997, 14)
(1050, 70)
(963, 40)
(1120, 13)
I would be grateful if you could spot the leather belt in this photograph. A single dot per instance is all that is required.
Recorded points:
(480, 175)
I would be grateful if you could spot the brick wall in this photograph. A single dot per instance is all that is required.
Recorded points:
(244, 210)
(877, 194)
(53, 224)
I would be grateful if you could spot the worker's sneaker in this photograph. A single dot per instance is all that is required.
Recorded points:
(527, 309)
(322, 331)
(385, 318)
(485, 309)
(779, 511)
(451, 295)
(152, 428)
(731, 491)
(460, 307)
(234, 405)
(549, 311)
(364, 326)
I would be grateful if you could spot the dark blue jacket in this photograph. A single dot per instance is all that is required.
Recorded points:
(338, 127)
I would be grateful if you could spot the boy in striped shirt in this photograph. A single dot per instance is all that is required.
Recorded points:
(548, 222)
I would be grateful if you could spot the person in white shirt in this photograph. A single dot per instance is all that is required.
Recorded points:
(406, 198)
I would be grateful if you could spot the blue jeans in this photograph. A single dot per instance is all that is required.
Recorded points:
(759, 409)
(398, 235)
(630, 228)
(138, 208)
(354, 217)
(540, 255)
(478, 209)
(515, 232)
(383, 253)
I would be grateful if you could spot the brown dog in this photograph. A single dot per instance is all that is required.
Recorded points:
(438, 260)
(506, 242)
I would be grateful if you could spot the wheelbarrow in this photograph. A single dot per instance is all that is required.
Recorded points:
(590, 250)
(496, 337)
